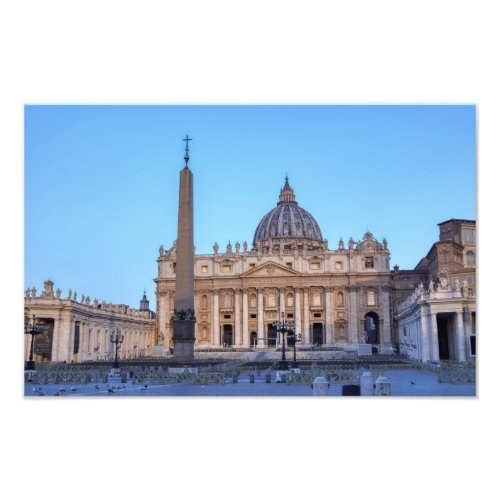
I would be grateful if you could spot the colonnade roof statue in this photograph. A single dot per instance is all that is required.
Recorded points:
(288, 221)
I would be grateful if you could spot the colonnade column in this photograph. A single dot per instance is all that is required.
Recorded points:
(434, 338)
(460, 335)
(245, 318)
(260, 317)
(102, 344)
(328, 317)
(307, 331)
(215, 320)
(237, 317)
(83, 348)
(54, 355)
(71, 337)
(91, 342)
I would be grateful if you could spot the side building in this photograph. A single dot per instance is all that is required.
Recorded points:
(76, 331)
(436, 317)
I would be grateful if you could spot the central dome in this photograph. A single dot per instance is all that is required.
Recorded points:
(287, 220)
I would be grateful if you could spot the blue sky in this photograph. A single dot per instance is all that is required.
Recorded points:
(101, 182)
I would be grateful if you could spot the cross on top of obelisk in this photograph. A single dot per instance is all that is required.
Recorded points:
(186, 157)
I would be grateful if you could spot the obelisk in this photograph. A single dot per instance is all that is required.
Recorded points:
(183, 319)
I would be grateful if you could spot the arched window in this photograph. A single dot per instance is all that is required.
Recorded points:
(340, 299)
(289, 300)
(204, 302)
(253, 301)
(471, 258)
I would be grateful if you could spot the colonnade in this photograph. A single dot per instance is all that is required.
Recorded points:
(423, 328)
(93, 343)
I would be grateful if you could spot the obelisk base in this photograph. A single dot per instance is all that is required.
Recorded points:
(184, 340)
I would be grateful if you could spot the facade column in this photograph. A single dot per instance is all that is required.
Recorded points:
(237, 317)
(328, 317)
(386, 332)
(353, 315)
(434, 338)
(282, 303)
(460, 336)
(307, 330)
(297, 315)
(215, 320)
(245, 332)
(166, 330)
(260, 317)
(54, 355)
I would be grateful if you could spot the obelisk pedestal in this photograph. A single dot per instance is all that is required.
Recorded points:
(184, 319)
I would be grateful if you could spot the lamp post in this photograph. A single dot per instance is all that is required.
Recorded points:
(293, 338)
(117, 339)
(31, 329)
(283, 327)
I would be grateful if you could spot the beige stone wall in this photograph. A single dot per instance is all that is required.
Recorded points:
(249, 290)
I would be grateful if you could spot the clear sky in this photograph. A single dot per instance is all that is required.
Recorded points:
(101, 182)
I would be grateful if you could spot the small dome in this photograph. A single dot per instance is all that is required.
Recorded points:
(287, 220)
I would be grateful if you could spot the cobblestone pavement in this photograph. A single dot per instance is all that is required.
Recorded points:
(403, 383)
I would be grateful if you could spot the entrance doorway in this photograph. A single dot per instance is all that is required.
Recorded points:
(445, 336)
(271, 336)
(253, 339)
(317, 334)
(371, 327)
(227, 336)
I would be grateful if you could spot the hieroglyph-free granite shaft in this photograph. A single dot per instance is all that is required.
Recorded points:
(183, 319)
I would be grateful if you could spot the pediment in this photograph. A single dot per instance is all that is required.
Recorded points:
(270, 269)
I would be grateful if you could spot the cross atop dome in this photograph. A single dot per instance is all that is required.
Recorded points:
(286, 194)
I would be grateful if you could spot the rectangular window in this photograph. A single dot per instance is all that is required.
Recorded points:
(472, 345)
(289, 315)
(253, 316)
(369, 264)
(251, 266)
(370, 298)
(226, 268)
(470, 280)
(469, 236)
(204, 269)
(289, 265)
(314, 265)
(445, 257)
(338, 265)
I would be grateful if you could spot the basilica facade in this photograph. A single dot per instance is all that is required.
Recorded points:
(335, 297)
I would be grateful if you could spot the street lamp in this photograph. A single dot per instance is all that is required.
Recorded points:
(31, 329)
(283, 327)
(117, 339)
(293, 338)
